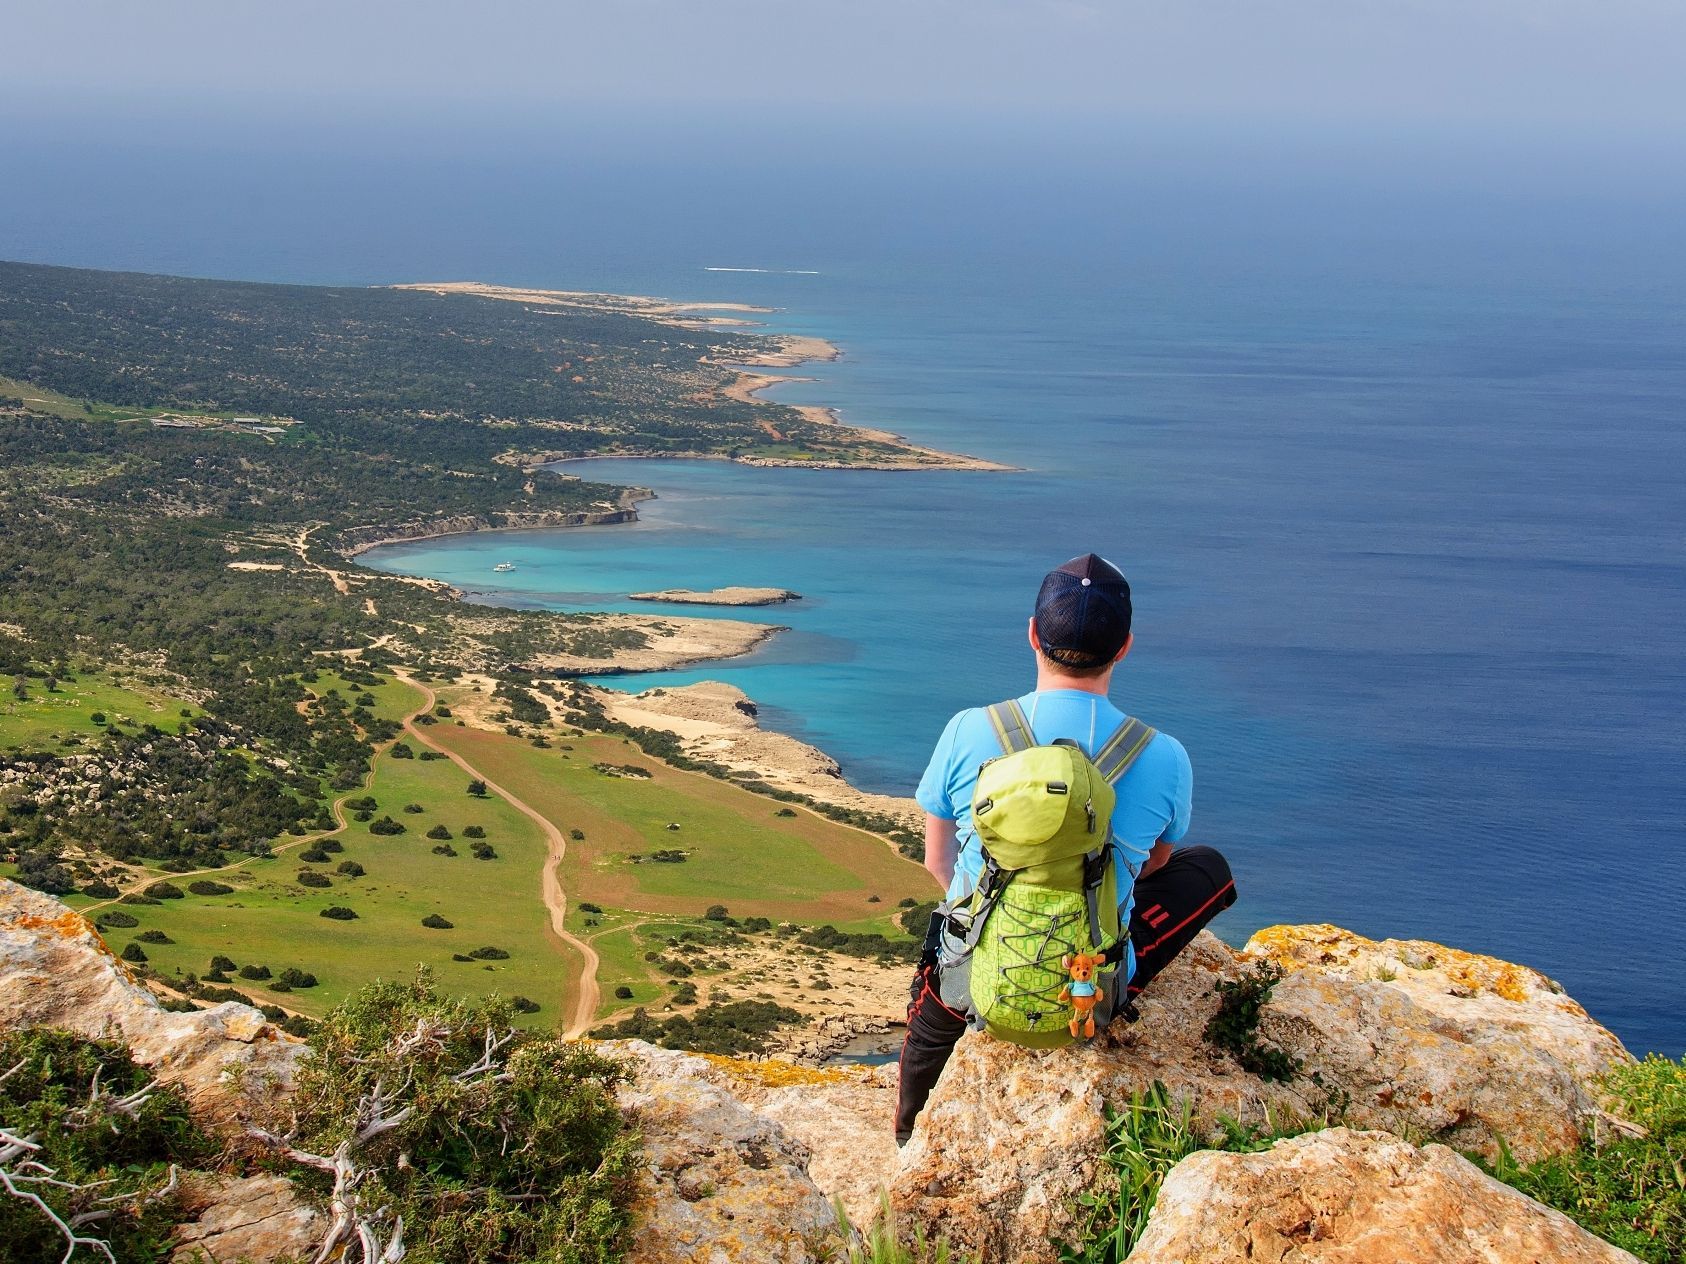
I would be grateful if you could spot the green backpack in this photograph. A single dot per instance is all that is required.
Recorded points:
(1049, 886)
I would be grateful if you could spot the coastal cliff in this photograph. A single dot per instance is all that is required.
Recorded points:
(1409, 1049)
(355, 540)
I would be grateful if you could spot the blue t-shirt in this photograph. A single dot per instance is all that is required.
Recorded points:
(1155, 797)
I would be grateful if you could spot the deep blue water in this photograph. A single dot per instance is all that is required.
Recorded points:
(1394, 464)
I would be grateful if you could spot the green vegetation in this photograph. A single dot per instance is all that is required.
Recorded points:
(561, 1192)
(732, 1028)
(885, 1241)
(1145, 1139)
(1629, 1190)
(104, 1148)
(1234, 1028)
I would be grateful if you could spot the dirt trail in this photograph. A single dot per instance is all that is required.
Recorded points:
(555, 899)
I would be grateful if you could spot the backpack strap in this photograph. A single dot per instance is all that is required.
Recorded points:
(1120, 750)
(1012, 730)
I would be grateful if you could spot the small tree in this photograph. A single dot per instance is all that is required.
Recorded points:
(477, 788)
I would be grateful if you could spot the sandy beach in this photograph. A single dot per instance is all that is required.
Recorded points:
(732, 596)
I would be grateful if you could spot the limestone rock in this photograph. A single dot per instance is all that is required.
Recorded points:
(55, 971)
(723, 1183)
(1346, 1197)
(1414, 1038)
(251, 1221)
(1434, 1041)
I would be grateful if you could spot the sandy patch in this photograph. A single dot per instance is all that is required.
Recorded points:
(256, 566)
(730, 596)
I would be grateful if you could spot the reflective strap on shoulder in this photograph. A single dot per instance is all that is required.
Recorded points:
(1012, 730)
(1119, 751)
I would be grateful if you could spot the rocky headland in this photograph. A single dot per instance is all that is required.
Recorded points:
(1409, 1051)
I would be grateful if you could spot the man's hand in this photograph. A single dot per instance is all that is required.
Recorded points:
(942, 849)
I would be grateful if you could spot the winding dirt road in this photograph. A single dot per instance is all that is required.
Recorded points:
(589, 994)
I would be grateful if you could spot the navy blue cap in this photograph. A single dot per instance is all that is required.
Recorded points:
(1083, 612)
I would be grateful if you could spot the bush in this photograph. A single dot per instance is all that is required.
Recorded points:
(351, 869)
(314, 855)
(623, 993)
(578, 835)
(221, 964)
(331, 845)
(166, 891)
(444, 849)
(154, 937)
(734, 1028)
(401, 750)
(586, 906)
(205, 886)
(522, 1005)
(310, 878)
(254, 972)
(1628, 1190)
(477, 788)
(100, 890)
(483, 851)
(132, 952)
(338, 913)
(434, 922)
(1234, 1027)
(293, 977)
(785, 812)
(716, 913)
(489, 954)
(474, 831)
(116, 918)
(137, 897)
(561, 1193)
(385, 825)
(61, 1095)
(439, 831)
(414, 809)
(461, 956)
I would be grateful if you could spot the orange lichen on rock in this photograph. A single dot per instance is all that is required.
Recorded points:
(771, 1073)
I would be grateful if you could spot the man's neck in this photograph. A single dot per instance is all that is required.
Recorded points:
(1050, 677)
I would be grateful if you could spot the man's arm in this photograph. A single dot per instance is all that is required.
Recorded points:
(941, 849)
(1158, 856)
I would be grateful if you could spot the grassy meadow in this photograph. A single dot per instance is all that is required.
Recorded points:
(46, 719)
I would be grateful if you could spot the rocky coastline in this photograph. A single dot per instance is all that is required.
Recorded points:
(358, 540)
(733, 596)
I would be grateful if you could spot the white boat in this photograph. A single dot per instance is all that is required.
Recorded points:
(504, 566)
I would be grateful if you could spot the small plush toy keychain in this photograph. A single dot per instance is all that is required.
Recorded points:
(1081, 991)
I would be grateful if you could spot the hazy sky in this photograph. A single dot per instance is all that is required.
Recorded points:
(1591, 65)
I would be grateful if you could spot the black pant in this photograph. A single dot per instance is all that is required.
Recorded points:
(1173, 903)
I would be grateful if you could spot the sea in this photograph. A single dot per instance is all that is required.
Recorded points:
(1388, 432)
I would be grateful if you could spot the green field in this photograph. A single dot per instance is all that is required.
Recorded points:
(271, 920)
(46, 719)
(41, 400)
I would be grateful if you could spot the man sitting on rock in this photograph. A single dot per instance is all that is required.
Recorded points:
(1080, 632)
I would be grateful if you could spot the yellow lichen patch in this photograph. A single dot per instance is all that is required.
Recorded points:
(775, 1074)
(1296, 947)
(67, 923)
(1484, 974)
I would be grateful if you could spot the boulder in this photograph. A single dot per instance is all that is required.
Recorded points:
(1414, 1038)
(722, 1183)
(252, 1221)
(56, 971)
(1347, 1197)
(1432, 1041)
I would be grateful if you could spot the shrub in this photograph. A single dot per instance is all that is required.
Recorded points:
(489, 954)
(477, 788)
(338, 913)
(561, 1193)
(785, 812)
(578, 835)
(293, 977)
(586, 906)
(414, 809)
(483, 851)
(733, 1028)
(439, 831)
(62, 1095)
(522, 1005)
(1628, 1190)
(1234, 1027)
(221, 964)
(444, 849)
(351, 869)
(314, 856)
(623, 993)
(430, 754)
(363, 814)
(204, 886)
(331, 845)
(254, 972)
(154, 937)
(461, 956)
(166, 891)
(97, 717)
(132, 952)
(401, 750)
(116, 918)
(434, 922)
(280, 985)
(100, 890)
(385, 825)
(474, 831)
(310, 878)
(716, 913)
(137, 897)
